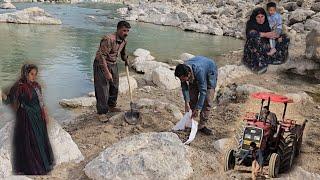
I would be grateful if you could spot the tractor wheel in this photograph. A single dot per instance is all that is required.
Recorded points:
(274, 165)
(287, 148)
(298, 148)
(229, 160)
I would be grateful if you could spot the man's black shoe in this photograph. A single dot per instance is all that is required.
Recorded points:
(206, 131)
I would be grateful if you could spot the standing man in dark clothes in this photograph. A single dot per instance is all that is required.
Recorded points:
(198, 78)
(257, 160)
(105, 68)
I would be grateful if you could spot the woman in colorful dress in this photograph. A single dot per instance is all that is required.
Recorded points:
(32, 152)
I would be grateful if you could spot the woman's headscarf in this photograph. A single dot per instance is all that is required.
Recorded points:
(23, 85)
(25, 70)
(253, 25)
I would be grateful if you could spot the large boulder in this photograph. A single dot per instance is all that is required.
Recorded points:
(313, 45)
(78, 102)
(160, 16)
(290, 6)
(311, 24)
(124, 86)
(6, 134)
(7, 5)
(316, 7)
(64, 149)
(185, 17)
(164, 78)
(300, 15)
(227, 74)
(141, 52)
(143, 66)
(144, 62)
(143, 156)
(222, 144)
(186, 56)
(174, 110)
(300, 97)
(298, 27)
(202, 28)
(32, 15)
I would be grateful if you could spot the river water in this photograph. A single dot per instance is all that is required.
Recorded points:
(64, 53)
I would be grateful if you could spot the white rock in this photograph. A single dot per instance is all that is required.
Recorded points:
(300, 97)
(32, 15)
(143, 58)
(150, 103)
(227, 74)
(164, 78)
(202, 28)
(186, 56)
(64, 149)
(147, 77)
(141, 52)
(175, 111)
(92, 94)
(91, 17)
(131, 18)
(122, 11)
(124, 86)
(6, 134)
(148, 66)
(7, 5)
(175, 61)
(78, 102)
(300, 15)
(192, 26)
(313, 45)
(221, 144)
(311, 24)
(144, 156)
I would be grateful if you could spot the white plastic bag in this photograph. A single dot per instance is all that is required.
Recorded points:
(187, 121)
(182, 124)
(194, 129)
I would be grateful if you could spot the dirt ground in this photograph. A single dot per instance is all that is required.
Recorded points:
(92, 136)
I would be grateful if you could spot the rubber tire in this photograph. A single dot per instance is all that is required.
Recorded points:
(298, 147)
(229, 160)
(287, 150)
(274, 165)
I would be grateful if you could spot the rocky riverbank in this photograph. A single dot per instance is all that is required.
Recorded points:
(33, 15)
(301, 21)
(108, 143)
(110, 148)
(221, 17)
